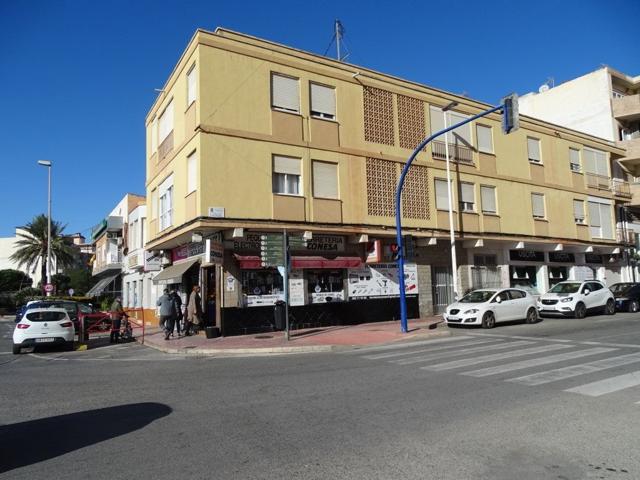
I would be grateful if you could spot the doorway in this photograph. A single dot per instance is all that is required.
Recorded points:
(442, 286)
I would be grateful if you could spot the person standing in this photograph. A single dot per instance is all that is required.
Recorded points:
(116, 312)
(194, 312)
(167, 313)
(178, 308)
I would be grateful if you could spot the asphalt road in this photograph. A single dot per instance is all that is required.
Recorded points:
(555, 400)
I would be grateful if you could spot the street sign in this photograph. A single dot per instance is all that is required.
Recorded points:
(71, 292)
(48, 287)
(271, 250)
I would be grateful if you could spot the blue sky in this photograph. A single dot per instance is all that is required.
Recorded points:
(77, 77)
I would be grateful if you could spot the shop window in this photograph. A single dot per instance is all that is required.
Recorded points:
(325, 285)
(556, 275)
(262, 282)
(525, 278)
(286, 175)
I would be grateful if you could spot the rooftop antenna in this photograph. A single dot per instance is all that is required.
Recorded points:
(339, 32)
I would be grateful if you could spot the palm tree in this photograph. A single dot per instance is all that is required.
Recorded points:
(32, 246)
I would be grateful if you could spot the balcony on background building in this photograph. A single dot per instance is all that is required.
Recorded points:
(631, 160)
(135, 259)
(626, 108)
(626, 237)
(621, 187)
(111, 261)
(457, 152)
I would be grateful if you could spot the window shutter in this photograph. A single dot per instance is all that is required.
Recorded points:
(154, 135)
(574, 156)
(533, 147)
(285, 93)
(578, 209)
(601, 163)
(442, 196)
(165, 124)
(191, 85)
(605, 221)
(192, 165)
(323, 100)
(288, 165)
(488, 195)
(325, 180)
(594, 214)
(437, 121)
(537, 204)
(485, 140)
(466, 191)
(464, 131)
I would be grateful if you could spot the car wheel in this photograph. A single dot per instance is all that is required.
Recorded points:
(580, 311)
(532, 315)
(610, 307)
(633, 306)
(16, 349)
(489, 320)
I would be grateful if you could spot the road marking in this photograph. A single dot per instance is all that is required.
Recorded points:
(42, 357)
(378, 356)
(576, 370)
(496, 356)
(535, 362)
(609, 385)
(463, 351)
(407, 345)
(521, 337)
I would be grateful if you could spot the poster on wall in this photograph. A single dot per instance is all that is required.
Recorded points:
(296, 288)
(381, 280)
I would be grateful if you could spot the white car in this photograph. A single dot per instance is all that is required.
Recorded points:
(487, 307)
(43, 326)
(576, 298)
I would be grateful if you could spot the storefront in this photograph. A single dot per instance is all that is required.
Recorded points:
(526, 270)
(560, 265)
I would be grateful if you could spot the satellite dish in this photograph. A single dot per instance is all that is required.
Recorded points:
(543, 88)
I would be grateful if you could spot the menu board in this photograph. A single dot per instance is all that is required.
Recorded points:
(296, 288)
(381, 280)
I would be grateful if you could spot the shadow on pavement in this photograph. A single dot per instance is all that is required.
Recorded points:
(35, 441)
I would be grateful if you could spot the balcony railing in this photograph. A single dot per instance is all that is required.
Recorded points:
(457, 152)
(626, 237)
(111, 261)
(621, 187)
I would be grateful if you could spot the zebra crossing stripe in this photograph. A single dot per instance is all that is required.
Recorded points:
(378, 356)
(608, 385)
(576, 370)
(466, 362)
(535, 362)
(456, 353)
(408, 345)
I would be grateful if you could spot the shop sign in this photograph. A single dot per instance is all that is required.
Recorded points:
(381, 280)
(592, 258)
(318, 244)
(152, 263)
(526, 256)
(215, 252)
(262, 300)
(563, 257)
(374, 252)
(250, 243)
(189, 250)
(325, 243)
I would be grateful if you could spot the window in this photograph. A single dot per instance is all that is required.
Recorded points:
(595, 162)
(462, 134)
(285, 93)
(191, 85)
(574, 160)
(166, 203)
(617, 94)
(192, 172)
(165, 123)
(578, 211)
(286, 175)
(323, 101)
(153, 126)
(325, 180)
(442, 195)
(537, 205)
(533, 149)
(600, 218)
(154, 203)
(467, 197)
(488, 197)
(485, 138)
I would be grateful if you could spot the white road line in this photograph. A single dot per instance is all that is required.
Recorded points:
(576, 370)
(521, 337)
(616, 345)
(457, 353)
(406, 345)
(42, 357)
(434, 349)
(608, 385)
(535, 362)
(490, 358)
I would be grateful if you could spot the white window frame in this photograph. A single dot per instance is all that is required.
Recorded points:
(192, 172)
(325, 112)
(283, 106)
(579, 218)
(495, 201)
(192, 85)
(601, 211)
(443, 183)
(601, 168)
(154, 203)
(544, 208)
(287, 174)
(466, 205)
(480, 127)
(574, 163)
(165, 201)
(539, 148)
(153, 127)
(317, 187)
(165, 122)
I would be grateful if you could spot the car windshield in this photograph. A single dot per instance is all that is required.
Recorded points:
(479, 296)
(565, 288)
(43, 316)
(621, 287)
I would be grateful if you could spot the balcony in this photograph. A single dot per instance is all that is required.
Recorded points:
(626, 237)
(166, 147)
(135, 259)
(621, 188)
(627, 107)
(457, 152)
(111, 261)
(599, 182)
(631, 161)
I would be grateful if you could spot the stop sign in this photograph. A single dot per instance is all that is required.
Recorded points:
(48, 288)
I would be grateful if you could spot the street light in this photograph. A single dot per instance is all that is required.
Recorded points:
(48, 164)
(452, 238)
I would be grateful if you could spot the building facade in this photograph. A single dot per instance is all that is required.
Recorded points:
(249, 138)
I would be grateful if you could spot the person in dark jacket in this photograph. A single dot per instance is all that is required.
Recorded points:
(178, 308)
(167, 313)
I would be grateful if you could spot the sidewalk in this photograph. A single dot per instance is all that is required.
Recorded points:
(322, 339)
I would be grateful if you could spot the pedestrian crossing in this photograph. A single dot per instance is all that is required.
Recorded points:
(526, 361)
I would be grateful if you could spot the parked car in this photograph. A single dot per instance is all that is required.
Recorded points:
(43, 326)
(627, 296)
(487, 307)
(576, 299)
(76, 310)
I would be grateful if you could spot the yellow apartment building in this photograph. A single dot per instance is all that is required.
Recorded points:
(249, 137)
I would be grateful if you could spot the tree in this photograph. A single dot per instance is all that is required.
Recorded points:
(14, 280)
(32, 246)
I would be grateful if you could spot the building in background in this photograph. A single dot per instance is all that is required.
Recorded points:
(249, 137)
(604, 103)
(8, 246)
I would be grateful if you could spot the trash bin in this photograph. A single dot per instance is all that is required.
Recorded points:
(212, 332)
(279, 316)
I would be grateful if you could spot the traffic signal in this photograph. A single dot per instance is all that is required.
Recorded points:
(510, 114)
(395, 250)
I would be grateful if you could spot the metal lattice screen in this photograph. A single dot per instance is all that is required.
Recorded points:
(415, 194)
(382, 179)
(378, 116)
(411, 123)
